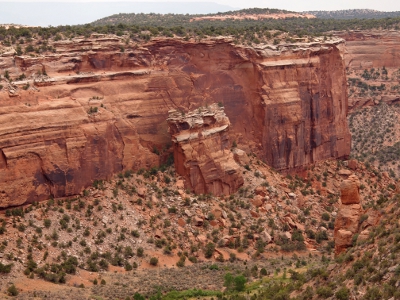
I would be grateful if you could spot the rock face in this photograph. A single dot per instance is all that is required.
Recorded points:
(347, 222)
(101, 111)
(349, 191)
(372, 49)
(202, 150)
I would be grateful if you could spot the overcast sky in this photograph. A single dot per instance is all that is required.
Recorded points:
(297, 5)
(73, 12)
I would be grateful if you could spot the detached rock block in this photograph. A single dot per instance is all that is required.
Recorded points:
(352, 164)
(202, 151)
(349, 190)
(347, 222)
(240, 156)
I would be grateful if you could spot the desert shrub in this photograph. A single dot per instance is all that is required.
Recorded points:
(135, 233)
(263, 272)
(297, 236)
(138, 296)
(12, 290)
(209, 250)
(373, 293)
(21, 227)
(5, 268)
(234, 283)
(213, 267)
(181, 262)
(128, 252)
(325, 216)
(321, 236)
(47, 223)
(324, 292)
(289, 245)
(343, 293)
(128, 267)
(140, 251)
(154, 261)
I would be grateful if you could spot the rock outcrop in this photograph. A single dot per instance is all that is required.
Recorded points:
(347, 222)
(98, 111)
(202, 150)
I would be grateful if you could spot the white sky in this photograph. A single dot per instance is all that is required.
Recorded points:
(73, 12)
(296, 5)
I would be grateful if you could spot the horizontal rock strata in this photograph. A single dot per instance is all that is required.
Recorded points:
(97, 111)
(202, 151)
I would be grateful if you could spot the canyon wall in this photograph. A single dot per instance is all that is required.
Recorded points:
(371, 49)
(102, 106)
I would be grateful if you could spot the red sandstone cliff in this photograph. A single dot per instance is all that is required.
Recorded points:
(286, 105)
(202, 151)
(372, 50)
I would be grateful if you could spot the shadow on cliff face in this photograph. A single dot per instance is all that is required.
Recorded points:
(288, 109)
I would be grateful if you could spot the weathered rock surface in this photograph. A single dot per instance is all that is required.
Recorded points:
(286, 105)
(372, 49)
(349, 190)
(347, 222)
(202, 150)
(366, 49)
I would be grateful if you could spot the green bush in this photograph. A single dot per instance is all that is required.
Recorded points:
(47, 223)
(234, 283)
(209, 250)
(324, 292)
(325, 216)
(181, 262)
(140, 252)
(138, 296)
(5, 268)
(154, 261)
(321, 236)
(373, 293)
(12, 290)
(343, 293)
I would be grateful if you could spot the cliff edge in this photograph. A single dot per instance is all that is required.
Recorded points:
(90, 110)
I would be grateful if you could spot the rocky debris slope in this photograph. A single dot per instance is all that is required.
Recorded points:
(376, 136)
(122, 223)
(88, 110)
(202, 150)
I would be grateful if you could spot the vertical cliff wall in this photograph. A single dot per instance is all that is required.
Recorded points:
(100, 111)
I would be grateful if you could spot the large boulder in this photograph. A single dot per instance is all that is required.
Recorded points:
(349, 190)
